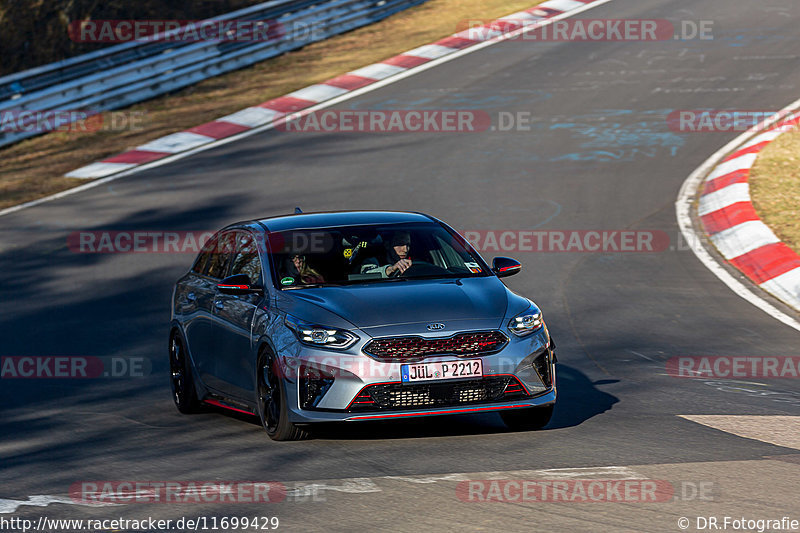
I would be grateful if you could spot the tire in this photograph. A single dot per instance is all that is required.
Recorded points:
(272, 409)
(184, 393)
(527, 419)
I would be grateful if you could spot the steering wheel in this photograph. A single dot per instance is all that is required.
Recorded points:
(421, 268)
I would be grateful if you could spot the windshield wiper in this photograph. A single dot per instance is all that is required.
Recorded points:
(312, 286)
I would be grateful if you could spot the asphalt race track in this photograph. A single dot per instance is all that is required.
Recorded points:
(599, 156)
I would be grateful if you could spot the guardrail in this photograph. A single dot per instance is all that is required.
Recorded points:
(136, 71)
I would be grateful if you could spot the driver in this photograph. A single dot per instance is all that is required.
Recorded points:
(300, 270)
(397, 260)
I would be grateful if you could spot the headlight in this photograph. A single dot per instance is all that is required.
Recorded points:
(322, 336)
(526, 322)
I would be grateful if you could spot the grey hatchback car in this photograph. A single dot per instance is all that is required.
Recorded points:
(355, 316)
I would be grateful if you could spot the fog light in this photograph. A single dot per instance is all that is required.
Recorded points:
(534, 372)
(313, 384)
(542, 366)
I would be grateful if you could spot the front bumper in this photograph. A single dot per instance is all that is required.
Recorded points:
(307, 416)
(352, 372)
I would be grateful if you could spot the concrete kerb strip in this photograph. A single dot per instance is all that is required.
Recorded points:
(728, 219)
(272, 111)
(731, 222)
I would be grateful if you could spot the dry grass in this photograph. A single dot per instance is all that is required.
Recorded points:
(775, 187)
(35, 167)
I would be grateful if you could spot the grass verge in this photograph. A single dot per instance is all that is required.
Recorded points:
(775, 187)
(35, 167)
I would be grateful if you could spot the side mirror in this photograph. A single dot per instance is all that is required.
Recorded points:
(505, 266)
(238, 284)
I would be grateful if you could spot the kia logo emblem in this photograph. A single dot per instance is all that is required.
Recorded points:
(435, 327)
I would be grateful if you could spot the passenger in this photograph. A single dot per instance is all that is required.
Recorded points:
(302, 272)
(398, 258)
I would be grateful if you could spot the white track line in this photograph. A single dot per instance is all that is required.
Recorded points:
(43, 500)
(353, 94)
(364, 485)
(683, 207)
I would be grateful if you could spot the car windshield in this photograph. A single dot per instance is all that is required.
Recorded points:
(370, 254)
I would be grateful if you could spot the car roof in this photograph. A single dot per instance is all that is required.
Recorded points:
(339, 218)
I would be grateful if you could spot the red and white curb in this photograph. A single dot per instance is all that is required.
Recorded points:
(274, 110)
(734, 227)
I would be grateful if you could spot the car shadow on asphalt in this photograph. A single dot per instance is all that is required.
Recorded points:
(579, 398)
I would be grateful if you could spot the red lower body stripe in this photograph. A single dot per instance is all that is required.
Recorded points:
(448, 412)
(220, 404)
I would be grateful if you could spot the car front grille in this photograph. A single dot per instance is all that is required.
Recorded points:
(438, 394)
(415, 348)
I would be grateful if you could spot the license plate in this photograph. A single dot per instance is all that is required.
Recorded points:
(469, 368)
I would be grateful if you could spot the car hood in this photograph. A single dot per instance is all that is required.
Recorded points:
(408, 302)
